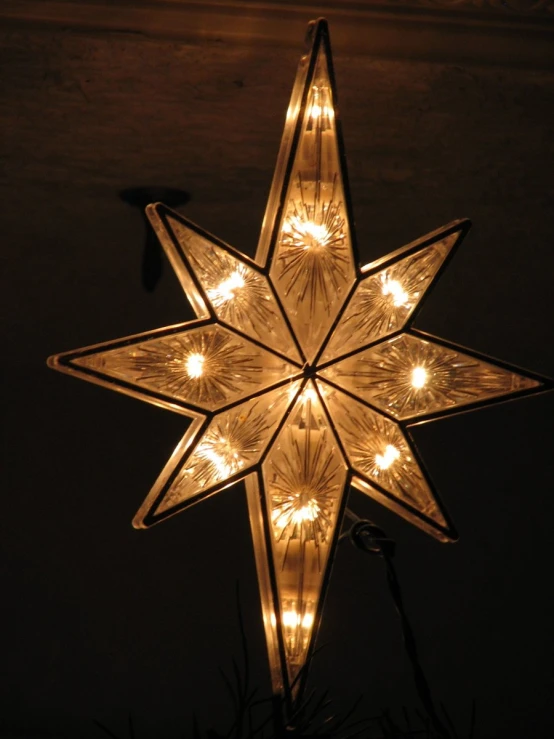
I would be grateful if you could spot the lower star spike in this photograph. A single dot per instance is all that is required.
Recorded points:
(304, 478)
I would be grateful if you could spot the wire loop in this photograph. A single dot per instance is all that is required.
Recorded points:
(371, 539)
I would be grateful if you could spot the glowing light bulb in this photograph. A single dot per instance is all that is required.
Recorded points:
(307, 621)
(221, 455)
(291, 619)
(308, 394)
(395, 290)
(318, 234)
(226, 290)
(384, 461)
(319, 110)
(300, 509)
(307, 512)
(419, 377)
(306, 234)
(217, 460)
(296, 625)
(195, 365)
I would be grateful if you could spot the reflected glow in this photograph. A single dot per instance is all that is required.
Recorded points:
(385, 460)
(398, 295)
(195, 365)
(419, 377)
(226, 290)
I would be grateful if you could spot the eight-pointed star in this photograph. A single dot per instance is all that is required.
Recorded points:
(302, 371)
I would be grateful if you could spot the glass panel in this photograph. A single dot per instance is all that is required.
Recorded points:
(409, 377)
(232, 443)
(260, 543)
(207, 367)
(156, 213)
(274, 200)
(442, 534)
(378, 450)
(312, 266)
(239, 294)
(143, 517)
(304, 476)
(383, 302)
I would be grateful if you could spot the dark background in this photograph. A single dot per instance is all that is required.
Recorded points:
(100, 620)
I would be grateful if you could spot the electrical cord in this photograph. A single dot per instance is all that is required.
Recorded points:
(371, 539)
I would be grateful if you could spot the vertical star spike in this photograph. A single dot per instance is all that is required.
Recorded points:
(310, 248)
(304, 477)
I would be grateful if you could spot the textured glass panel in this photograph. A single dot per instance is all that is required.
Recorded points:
(207, 367)
(155, 213)
(239, 294)
(312, 265)
(276, 193)
(408, 377)
(256, 515)
(442, 534)
(383, 302)
(143, 517)
(233, 442)
(378, 450)
(304, 475)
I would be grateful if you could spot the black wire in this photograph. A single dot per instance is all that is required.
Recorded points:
(371, 539)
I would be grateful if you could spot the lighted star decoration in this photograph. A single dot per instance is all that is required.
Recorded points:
(302, 373)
